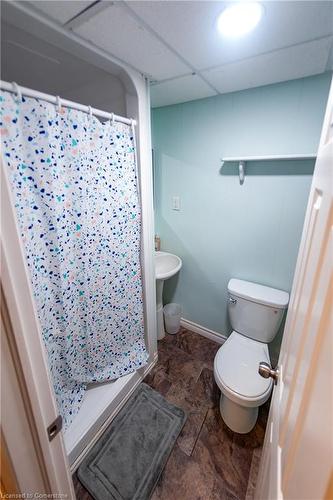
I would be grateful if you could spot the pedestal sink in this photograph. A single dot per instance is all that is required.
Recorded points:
(166, 265)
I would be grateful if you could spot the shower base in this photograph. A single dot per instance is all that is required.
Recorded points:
(100, 405)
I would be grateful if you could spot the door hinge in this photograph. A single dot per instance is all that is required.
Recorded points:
(54, 428)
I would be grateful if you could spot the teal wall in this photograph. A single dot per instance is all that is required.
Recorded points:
(225, 230)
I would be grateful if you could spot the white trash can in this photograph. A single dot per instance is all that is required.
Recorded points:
(172, 315)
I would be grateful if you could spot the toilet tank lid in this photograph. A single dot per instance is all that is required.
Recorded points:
(259, 293)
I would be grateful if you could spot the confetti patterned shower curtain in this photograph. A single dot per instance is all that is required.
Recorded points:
(74, 187)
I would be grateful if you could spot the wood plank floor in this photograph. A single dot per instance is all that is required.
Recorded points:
(209, 461)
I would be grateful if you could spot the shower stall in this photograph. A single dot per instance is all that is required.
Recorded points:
(93, 79)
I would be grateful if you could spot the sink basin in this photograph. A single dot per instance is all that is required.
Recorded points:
(166, 265)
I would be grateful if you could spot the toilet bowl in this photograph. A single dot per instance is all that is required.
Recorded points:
(256, 313)
(243, 389)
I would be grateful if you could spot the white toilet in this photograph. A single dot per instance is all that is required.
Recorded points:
(256, 313)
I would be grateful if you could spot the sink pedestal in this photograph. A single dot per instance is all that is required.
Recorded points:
(166, 265)
(159, 309)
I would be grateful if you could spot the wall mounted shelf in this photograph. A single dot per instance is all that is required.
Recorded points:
(242, 160)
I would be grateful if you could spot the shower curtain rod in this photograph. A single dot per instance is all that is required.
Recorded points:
(16, 89)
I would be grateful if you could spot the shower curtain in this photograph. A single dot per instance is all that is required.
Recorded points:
(75, 190)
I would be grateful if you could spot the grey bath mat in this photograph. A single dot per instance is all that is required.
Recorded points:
(126, 462)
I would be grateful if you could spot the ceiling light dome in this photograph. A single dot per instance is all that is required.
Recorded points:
(239, 18)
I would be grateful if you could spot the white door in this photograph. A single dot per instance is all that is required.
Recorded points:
(297, 460)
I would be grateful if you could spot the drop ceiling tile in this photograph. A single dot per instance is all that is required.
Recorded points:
(116, 31)
(190, 28)
(61, 11)
(287, 64)
(186, 88)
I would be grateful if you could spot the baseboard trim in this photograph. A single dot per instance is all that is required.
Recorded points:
(202, 330)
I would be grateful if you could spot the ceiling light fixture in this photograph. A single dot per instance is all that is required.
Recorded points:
(240, 18)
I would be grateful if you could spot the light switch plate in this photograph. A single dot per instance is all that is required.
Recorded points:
(176, 203)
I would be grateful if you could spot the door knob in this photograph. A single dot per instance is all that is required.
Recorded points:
(266, 371)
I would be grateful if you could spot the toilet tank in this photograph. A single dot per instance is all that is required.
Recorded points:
(256, 311)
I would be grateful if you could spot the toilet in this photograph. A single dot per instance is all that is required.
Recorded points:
(255, 313)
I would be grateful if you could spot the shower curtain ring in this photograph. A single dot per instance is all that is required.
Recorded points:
(17, 91)
(58, 104)
(112, 118)
(90, 111)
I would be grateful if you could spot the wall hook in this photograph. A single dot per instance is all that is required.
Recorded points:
(58, 104)
(241, 170)
(17, 91)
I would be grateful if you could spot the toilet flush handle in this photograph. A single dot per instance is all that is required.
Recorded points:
(232, 300)
(266, 371)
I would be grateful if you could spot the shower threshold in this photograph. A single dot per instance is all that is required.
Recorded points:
(101, 402)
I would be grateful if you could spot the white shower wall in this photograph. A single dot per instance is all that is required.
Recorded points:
(107, 93)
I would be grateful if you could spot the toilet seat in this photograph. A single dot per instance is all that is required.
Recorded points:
(236, 370)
